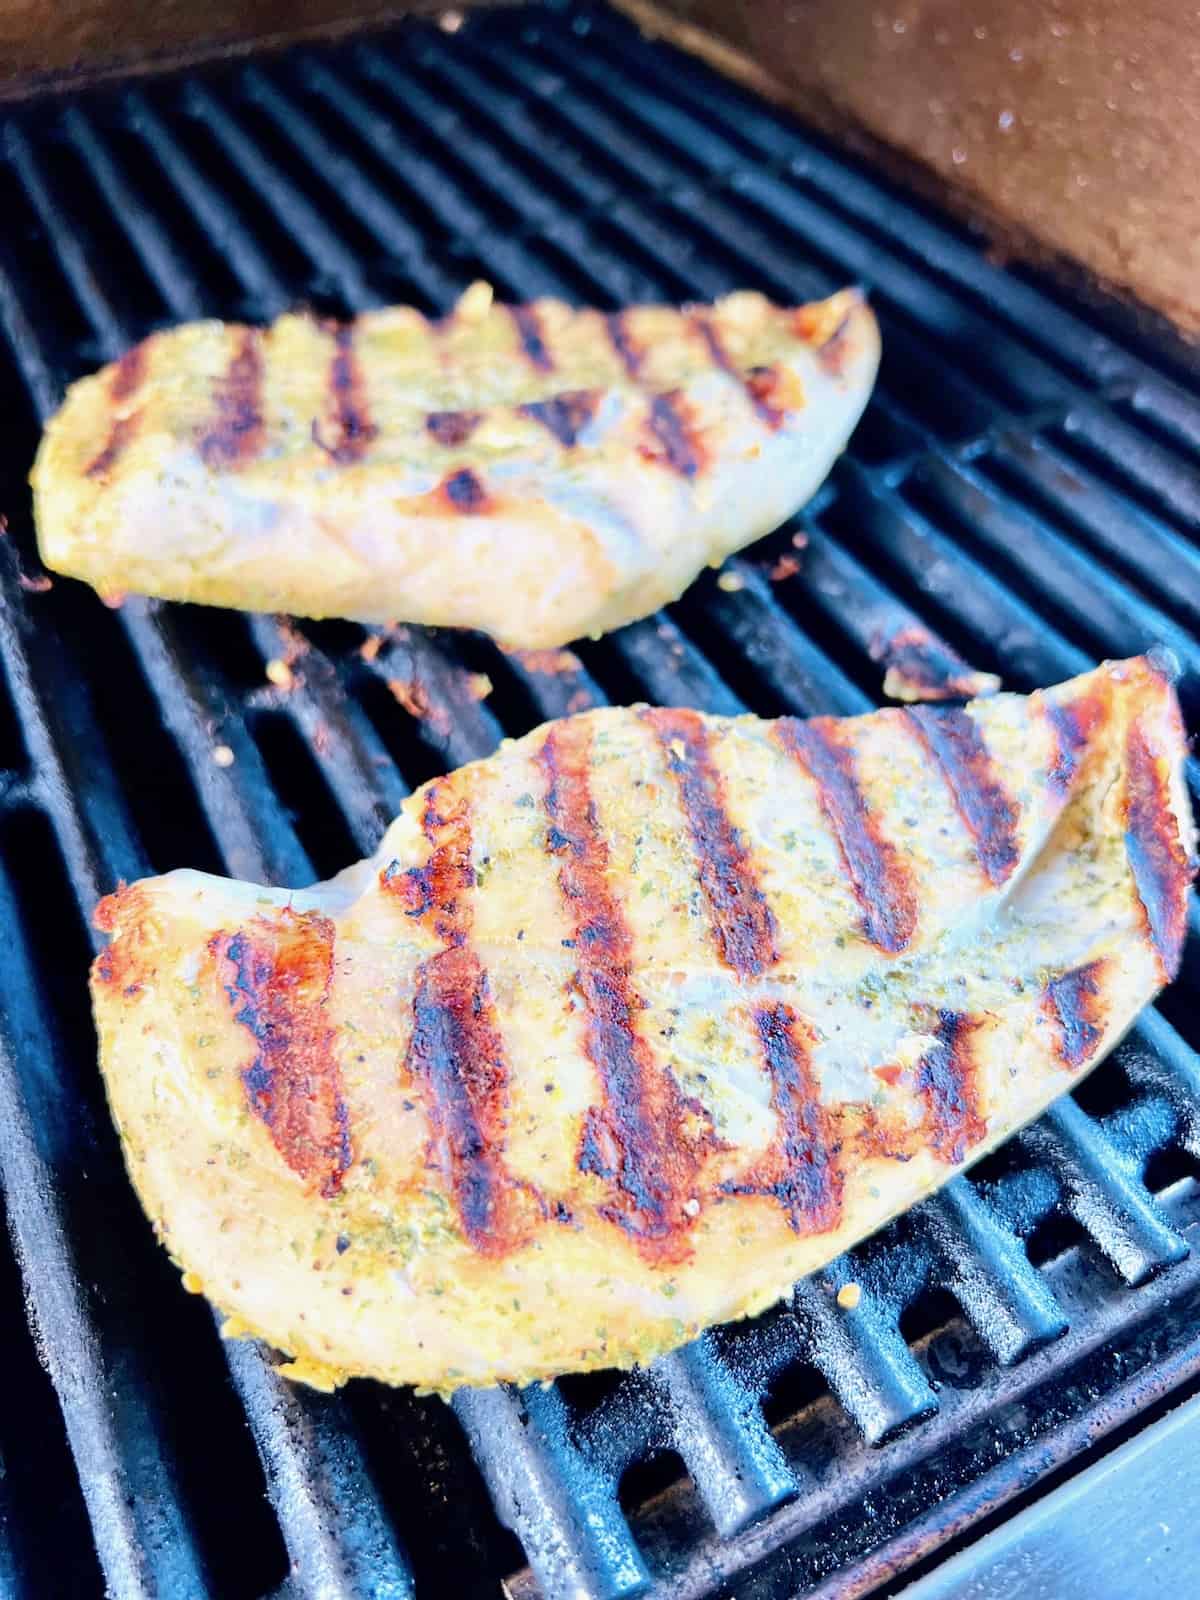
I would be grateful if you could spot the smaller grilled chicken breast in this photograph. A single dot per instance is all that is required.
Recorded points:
(630, 1026)
(537, 472)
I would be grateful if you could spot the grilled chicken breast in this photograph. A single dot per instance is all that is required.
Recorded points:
(628, 1027)
(534, 471)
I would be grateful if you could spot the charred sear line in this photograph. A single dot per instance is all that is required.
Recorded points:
(456, 1049)
(834, 352)
(767, 388)
(1074, 1004)
(627, 351)
(235, 434)
(1157, 859)
(946, 1083)
(879, 878)
(437, 892)
(672, 437)
(355, 430)
(120, 434)
(452, 428)
(646, 1138)
(801, 1169)
(566, 415)
(1073, 726)
(465, 493)
(741, 921)
(128, 374)
(757, 385)
(278, 974)
(529, 329)
(990, 816)
(126, 380)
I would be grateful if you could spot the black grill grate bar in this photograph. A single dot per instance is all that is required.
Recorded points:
(353, 760)
(941, 313)
(664, 666)
(791, 674)
(228, 232)
(1006, 364)
(1155, 473)
(545, 1488)
(338, 173)
(145, 1543)
(976, 610)
(1127, 537)
(72, 257)
(842, 184)
(163, 264)
(298, 216)
(1157, 1058)
(1167, 411)
(1095, 606)
(987, 1271)
(719, 1431)
(336, 1530)
(769, 257)
(1103, 1194)
(861, 1354)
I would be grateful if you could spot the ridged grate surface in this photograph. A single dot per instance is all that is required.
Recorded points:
(1025, 483)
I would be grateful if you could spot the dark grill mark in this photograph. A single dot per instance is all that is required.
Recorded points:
(801, 1170)
(456, 1049)
(1073, 1003)
(1160, 866)
(946, 1083)
(128, 373)
(278, 973)
(920, 666)
(834, 352)
(833, 348)
(767, 387)
(758, 386)
(640, 1137)
(530, 330)
(121, 432)
(673, 440)
(566, 415)
(436, 893)
(1074, 727)
(126, 380)
(740, 918)
(236, 433)
(457, 1052)
(879, 878)
(355, 430)
(452, 428)
(953, 739)
(465, 493)
(627, 352)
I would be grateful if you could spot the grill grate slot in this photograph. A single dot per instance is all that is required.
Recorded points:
(1024, 484)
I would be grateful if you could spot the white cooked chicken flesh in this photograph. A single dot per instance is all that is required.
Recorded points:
(628, 1027)
(537, 472)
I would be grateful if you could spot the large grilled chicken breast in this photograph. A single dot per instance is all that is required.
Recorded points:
(629, 1026)
(534, 471)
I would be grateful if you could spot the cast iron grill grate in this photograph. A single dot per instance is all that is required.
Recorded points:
(1025, 484)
